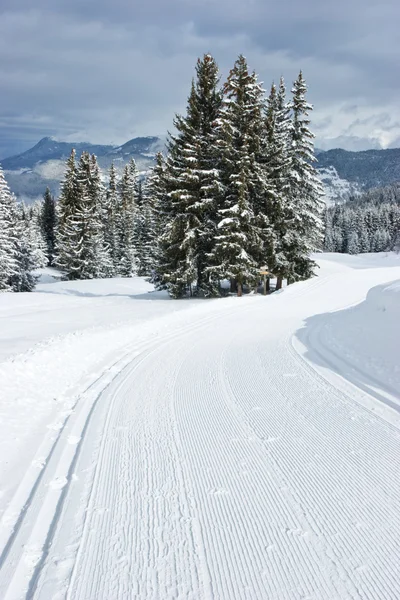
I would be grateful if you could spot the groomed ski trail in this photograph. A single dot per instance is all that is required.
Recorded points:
(220, 465)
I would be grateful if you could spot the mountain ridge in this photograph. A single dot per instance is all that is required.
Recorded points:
(30, 172)
(344, 173)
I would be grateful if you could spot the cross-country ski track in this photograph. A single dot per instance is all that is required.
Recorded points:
(219, 461)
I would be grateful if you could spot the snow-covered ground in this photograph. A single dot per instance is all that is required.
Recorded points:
(226, 449)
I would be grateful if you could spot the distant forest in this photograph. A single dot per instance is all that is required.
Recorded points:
(369, 223)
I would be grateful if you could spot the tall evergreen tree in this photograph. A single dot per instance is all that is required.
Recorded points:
(306, 230)
(34, 235)
(124, 221)
(193, 187)
(16, 259)
(144, 233)
(160, 206)
(48, 224)
(236, 254)
(92, 256)
(82, 252)
(67, 236)
(23, 279)
(111, 208)
(278, 144)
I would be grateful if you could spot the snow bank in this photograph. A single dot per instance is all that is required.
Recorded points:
(361, 343)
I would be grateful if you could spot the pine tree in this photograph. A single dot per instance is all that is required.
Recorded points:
(305, 234)
(91, 257)
(124, 221)
(110, 216)
(82, 252)
(144, 233)
(34, 234)
(236, 253)
(160, 207)
(97, 192)
(23, 279)
(277, 164)
(67, 236)
(48, 224)
(192, 184)
(8, 260)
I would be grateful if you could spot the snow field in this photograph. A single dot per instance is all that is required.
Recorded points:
(214, 452)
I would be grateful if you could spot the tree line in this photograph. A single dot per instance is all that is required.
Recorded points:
(236, 190)
(370, 223)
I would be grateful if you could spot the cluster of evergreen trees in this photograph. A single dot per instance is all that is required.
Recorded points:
(370, 223)
(102, 232)
(22, 245)
(90, 232)
(237, 189)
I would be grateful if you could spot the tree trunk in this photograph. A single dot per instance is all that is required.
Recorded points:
(278, 283)
(268, 284)
(239, 289)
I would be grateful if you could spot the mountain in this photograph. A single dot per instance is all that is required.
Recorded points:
(343, 173)
(29, 173)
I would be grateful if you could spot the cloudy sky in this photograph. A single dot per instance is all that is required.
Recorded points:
(108, 70)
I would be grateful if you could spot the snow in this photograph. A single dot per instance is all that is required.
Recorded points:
(228, 449)
(336, 189)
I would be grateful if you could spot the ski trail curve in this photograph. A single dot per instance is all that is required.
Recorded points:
(220, 465)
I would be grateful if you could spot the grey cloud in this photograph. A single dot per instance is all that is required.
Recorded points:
(113, 70)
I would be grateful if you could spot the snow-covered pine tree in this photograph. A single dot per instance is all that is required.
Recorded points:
(23, 279)
(8, 263)
(160, 206)
(91, 257)
(193, 187)
(144, 232)
(67, 236)
(238, 243)
(277, 164)
(35, 238)
(48, 224)
(306, 228)
(124, 221)
(111, 208)
(351, 240)
(97, 192)
(82, 252)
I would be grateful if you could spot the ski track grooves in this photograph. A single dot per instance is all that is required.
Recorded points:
(225, 467)
(28, 525)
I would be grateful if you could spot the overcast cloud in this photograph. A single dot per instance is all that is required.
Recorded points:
(109, 71)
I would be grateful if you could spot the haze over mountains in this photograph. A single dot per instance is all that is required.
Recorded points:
(343, 173)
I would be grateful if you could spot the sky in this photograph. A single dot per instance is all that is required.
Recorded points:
(107, 71)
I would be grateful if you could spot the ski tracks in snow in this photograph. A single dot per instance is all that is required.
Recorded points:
(217, 465)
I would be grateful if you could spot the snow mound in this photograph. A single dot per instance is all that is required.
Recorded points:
(385, 299)
(361, 343)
